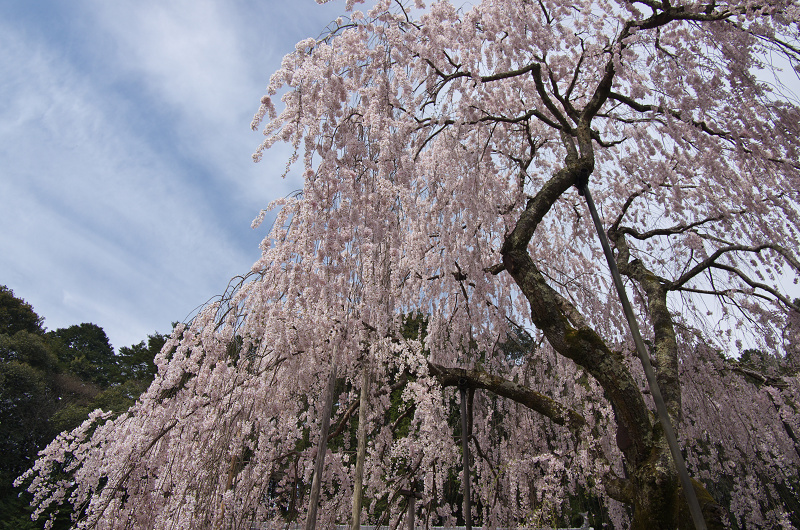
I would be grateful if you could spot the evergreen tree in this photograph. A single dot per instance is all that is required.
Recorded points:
(85, 351)
(51, 382)
(17, 315)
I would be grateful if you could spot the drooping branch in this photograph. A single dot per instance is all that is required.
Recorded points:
(552, 409)
(754, 284)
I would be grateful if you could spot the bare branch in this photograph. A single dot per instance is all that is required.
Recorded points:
(754, 284)
(711, 261)
(536, 72)
(658, 109)
(677, 229)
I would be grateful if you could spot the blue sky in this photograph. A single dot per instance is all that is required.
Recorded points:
(127, 186)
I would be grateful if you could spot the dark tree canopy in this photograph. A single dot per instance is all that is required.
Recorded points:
(51, 382)
(136, 361)
(17, 315)
(85, 350)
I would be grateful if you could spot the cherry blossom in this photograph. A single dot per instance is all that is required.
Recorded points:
(439, 148)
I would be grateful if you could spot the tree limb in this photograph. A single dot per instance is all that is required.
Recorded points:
(555, 411)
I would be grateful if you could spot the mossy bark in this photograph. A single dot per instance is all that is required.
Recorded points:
(658, 500)
(652, 486)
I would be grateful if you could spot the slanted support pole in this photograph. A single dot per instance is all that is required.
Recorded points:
(467, 505)
(362, 448)
(661, 407)
(322, 448)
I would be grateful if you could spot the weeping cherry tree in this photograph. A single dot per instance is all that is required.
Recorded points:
(439, 148)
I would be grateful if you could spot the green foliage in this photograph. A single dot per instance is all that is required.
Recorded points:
(85, 351)
(119, 398)
(414, 326)
(49, 383)
(17, 315)
(136, 361)
(26, 403)
(28, 348)
(15, 514)
(69, 417)
(517, 346)
(760, 360)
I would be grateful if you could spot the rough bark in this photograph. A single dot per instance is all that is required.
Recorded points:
(555, 411)
(658, 500)
(665, 344)
(584, 346)
(652, 485)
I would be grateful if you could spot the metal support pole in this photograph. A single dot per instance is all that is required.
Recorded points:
(467, 505)
(322, 448)
(361, 448)
(672, 440)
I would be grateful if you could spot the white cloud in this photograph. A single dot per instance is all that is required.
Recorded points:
(211, 60)
(126, 177)
(91, 209)
(187, 53)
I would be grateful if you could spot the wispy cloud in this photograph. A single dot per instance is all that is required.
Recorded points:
(125, 168)
(91, 206)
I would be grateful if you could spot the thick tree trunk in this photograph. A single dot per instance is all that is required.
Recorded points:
(322, 448)
(658, 501)
(652, 486)
(361, 450)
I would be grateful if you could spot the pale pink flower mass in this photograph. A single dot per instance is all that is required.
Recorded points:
(439, 148)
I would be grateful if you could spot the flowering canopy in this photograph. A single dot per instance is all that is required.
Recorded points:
(439, 149)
